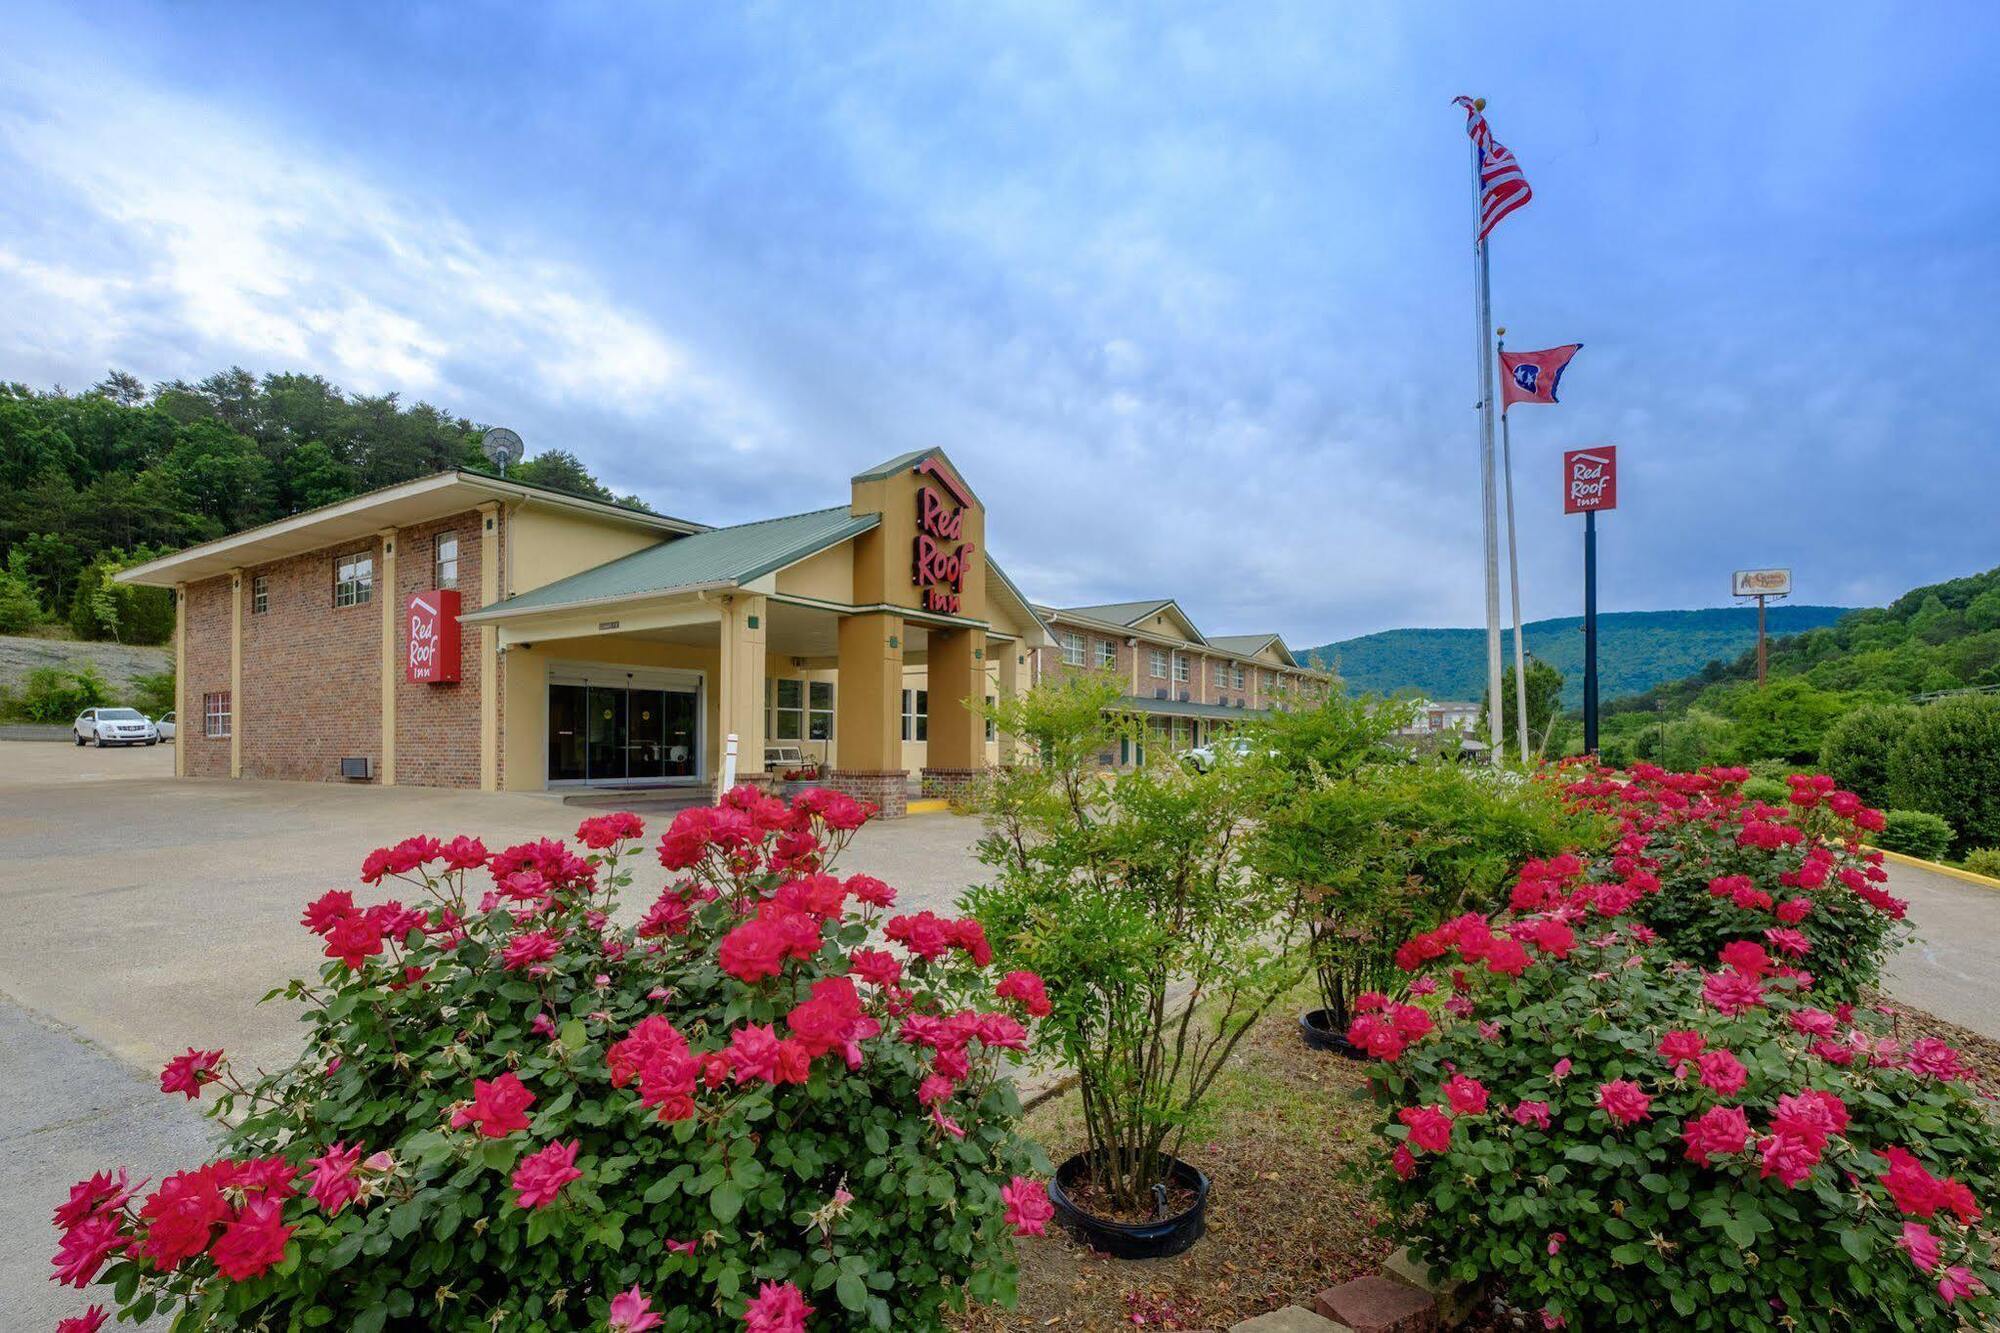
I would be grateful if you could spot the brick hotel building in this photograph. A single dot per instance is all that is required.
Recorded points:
(462, 630)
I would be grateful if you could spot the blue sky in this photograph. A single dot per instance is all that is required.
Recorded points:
(1184, 289)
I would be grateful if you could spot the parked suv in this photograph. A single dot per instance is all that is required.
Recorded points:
(114, 726)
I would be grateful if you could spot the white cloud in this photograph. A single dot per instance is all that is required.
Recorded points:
(224, 242)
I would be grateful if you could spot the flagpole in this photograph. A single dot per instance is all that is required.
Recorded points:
(1514, 579)
(1496, 710)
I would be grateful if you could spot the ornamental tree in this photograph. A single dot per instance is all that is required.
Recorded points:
(1623, 1138)
(1160, 944)
(747, 1109)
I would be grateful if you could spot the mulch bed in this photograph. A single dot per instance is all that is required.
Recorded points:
(1981, 1054)
(1288, 1212)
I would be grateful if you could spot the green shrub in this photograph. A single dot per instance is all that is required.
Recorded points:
(1857, 747)
(512, 1107)
(1915, 833)
(153, 693)
(1768, 790)
(1984, 861)
(1695, 741)
(58, 694)
(1948, 763)
(1627, 1142)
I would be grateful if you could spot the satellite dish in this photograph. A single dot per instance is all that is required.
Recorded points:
(503, 447)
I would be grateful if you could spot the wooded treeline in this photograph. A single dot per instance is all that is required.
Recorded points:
(92, 482)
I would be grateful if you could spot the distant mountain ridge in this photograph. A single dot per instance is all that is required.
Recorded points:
(1636, 650)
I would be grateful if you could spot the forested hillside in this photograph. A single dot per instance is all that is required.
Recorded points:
(91, 482)
(1636, 650)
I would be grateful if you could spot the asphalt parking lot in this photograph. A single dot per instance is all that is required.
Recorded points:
(140, 914)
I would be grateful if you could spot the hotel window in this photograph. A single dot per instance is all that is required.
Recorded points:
(1107, 653)
(444, 560)
(1072, 649)
(916, 715)
(215, 715)
(353, 579)
(260, 594)
(1183, 668)
(992, 728)
(798, 710)
(1236, 675)
(1158, 660)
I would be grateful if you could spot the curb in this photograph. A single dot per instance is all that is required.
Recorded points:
(928, 805)
(1902, 858)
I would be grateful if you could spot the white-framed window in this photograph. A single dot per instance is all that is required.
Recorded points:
(1072, 648)
(260, 594)
(798, 710)
(215, 715)
(444, 560)
(916, 715)
(1236, 674)
(1107, 652)
(1183, 668)
(354, 578)
(1157, 663)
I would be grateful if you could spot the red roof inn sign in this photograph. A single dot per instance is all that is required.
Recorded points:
(941, 558)
(431, 637)
(1590, 479)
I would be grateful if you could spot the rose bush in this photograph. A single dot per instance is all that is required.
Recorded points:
(513, 1112)
(1622, 1137)
(1709, 868)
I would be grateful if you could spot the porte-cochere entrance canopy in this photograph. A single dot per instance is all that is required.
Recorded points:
(805, 637)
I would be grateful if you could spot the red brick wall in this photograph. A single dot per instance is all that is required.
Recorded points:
(437, 726)
(206, 617)
(312, 673)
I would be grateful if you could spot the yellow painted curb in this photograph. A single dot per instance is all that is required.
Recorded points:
(1983, 881)
(937, 805)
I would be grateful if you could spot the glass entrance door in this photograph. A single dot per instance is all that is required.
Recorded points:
(627, 729)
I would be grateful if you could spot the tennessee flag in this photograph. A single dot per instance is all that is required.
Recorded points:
(1532, 377)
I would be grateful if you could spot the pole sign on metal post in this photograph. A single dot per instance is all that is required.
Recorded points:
(1590, 479)
(1590, 483)
(1760, 584)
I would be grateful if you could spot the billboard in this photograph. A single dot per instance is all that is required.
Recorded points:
(1590, 479)
(1761, 583)
(430, 641)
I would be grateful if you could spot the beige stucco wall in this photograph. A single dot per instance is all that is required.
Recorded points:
(544, 545)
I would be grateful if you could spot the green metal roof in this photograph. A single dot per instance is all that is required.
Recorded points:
(716, 558)
(1249, 645)
(1120, 613)
(1175, 708)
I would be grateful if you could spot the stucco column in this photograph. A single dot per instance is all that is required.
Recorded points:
(180, 680)
(235, 674)
(490, 683)
(868, 711)
(741, 692)
(390, 673)
(957, 753)
(1013, 665)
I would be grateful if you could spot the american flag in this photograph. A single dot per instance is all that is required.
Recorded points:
(1502, 187)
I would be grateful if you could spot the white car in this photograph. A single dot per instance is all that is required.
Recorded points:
(165, 725)
(1228, 749)
(114, 726)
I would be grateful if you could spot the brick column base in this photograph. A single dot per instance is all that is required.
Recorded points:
(953, 784)
(887, 791)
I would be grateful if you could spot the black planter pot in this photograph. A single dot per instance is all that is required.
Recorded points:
(1315, 1026)
(1132, 1240)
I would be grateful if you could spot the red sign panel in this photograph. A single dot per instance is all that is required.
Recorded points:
(430, 637)
(940, 558)
(1590, 479)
